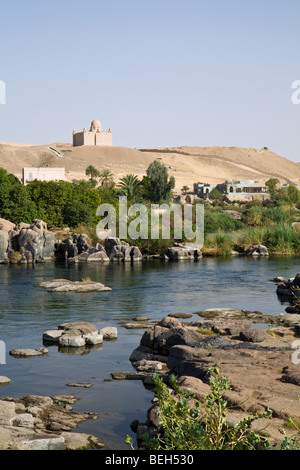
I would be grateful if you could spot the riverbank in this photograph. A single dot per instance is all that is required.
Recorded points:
(260, 364)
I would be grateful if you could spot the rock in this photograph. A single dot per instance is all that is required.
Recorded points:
(83, 328)
(71, 341)
(7, 412)
(52, 443)
(4, 380)
(81, 441)
(28, 352)
(235, 314)
(109, 332)
(176, 253)
(228, 327)
(145, 365)
(52, 336)
(253, 335)
(6, 225)
(180, 315)
(4, 241)
(99, 256)
(24, 420)
(37, 240)
(93, 339)
(65, 285)
(118, 250)
(195, 386)
(261, 375)
(33, 423)
(258, 250)
(79, 384)
(291, 374)
(169, 322)
(278, 279)
(78, 334)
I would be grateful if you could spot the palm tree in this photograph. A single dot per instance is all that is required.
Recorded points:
(106, 178)
(129, 185)
(92, 172)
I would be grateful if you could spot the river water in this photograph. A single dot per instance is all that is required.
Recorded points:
(150, 288)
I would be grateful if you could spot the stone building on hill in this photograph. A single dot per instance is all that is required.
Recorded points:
(95, 136)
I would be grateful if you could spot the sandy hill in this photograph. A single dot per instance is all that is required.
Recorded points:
(187, 164)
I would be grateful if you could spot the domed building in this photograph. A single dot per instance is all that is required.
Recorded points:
(95, 136)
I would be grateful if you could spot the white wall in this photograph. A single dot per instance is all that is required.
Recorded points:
(43, 174)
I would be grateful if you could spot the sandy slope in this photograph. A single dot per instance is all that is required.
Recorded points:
(187, 164)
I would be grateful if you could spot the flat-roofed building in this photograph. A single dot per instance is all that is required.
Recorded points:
(42, 174)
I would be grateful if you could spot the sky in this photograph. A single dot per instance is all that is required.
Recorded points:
(159, 73)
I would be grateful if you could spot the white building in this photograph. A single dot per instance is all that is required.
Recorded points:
(42, 174)
(95, 136)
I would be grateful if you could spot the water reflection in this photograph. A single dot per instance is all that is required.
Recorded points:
(151, 289)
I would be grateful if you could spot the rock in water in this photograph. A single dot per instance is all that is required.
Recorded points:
(65, 285)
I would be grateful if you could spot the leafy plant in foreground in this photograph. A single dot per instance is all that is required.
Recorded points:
(186, 423)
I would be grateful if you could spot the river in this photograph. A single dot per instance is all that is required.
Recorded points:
(150, 288)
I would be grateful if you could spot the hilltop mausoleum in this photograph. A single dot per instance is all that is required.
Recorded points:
(95, 136)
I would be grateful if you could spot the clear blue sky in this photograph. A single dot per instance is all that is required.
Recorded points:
(159, 73)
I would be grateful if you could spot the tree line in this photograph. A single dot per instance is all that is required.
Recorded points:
(62, 203)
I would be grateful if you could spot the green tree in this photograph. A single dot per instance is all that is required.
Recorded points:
(272, 187)
(129, 186)
(290, 195)
(161, 185)
(92, 172)
(215, 194)
(106, 178)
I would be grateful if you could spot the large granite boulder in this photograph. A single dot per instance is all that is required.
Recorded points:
(176, 253)
(4, 241)
(119, 250)
(37, 241)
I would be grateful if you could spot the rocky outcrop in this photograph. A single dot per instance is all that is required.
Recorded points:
(79, 334)
(65, 285)
(75, 248)
(257, 362)
(119, 250)
(43, 423)
(258, 250)
(182, 252)
(24, 243)
(289, 288)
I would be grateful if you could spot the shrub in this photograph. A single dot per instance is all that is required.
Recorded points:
(186, 423)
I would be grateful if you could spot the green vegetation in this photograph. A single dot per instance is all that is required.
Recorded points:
(188, 424)
(269, 223)
(160, 185)
(61, 203)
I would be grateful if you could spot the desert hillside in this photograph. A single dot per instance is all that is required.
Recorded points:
(187, 164)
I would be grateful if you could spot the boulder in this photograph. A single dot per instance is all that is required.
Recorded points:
(98, 256)
(28, 352)
(65, 285)
(109, 332)
(78, 334)
(176, 253)
(4, 380)
(258, 250)
(43, 423)
(253, 335)
(37, 240)
(4, 241)
(6, 225)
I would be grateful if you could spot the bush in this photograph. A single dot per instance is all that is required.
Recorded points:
(188, 424)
